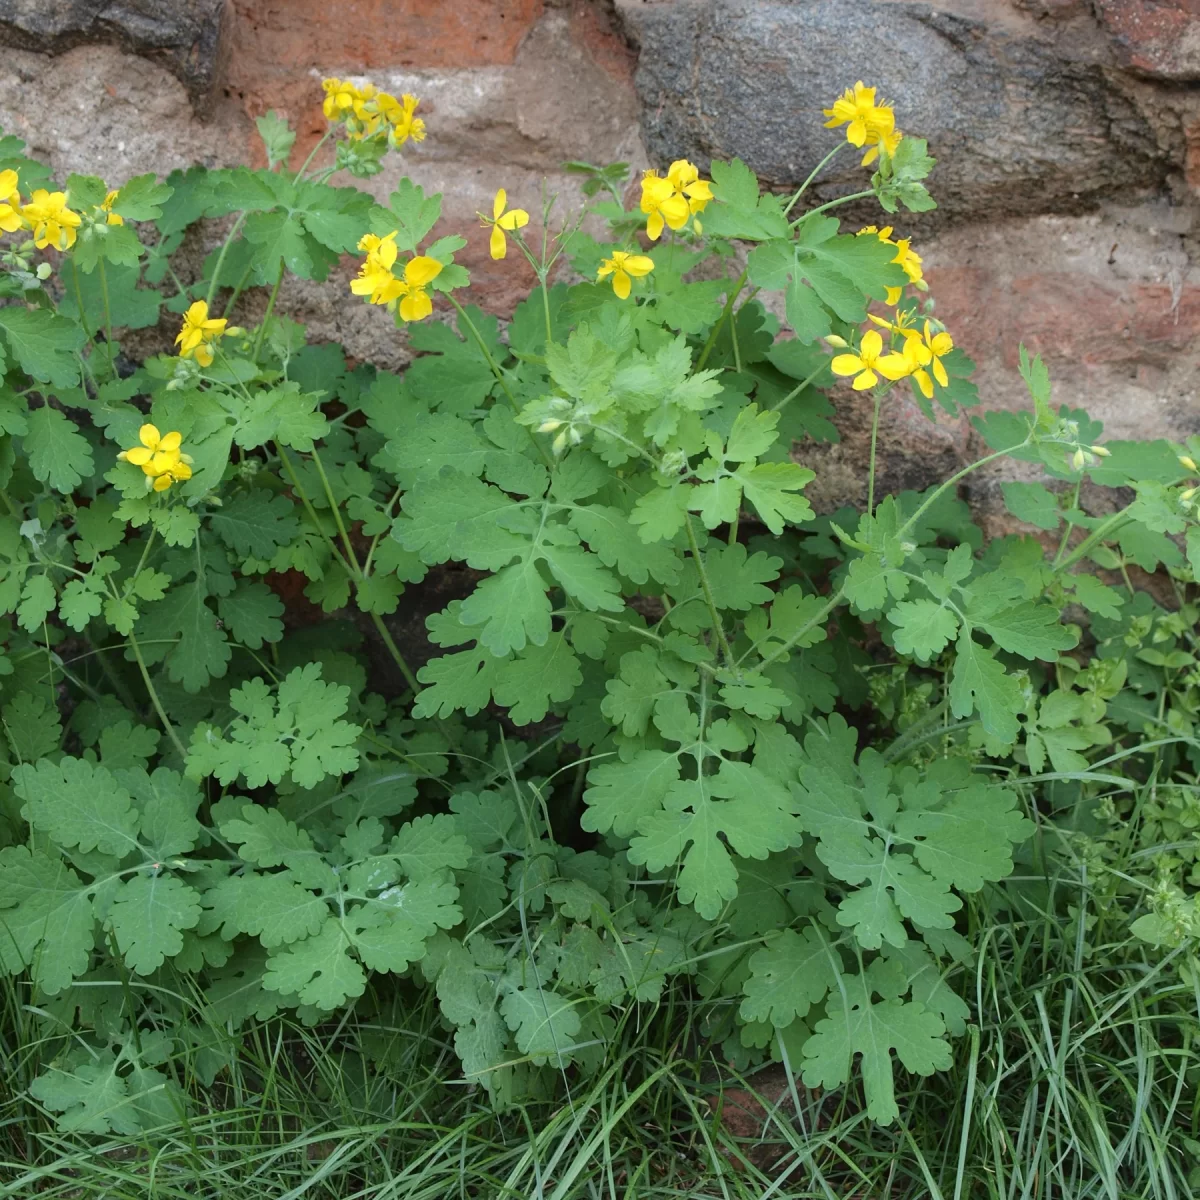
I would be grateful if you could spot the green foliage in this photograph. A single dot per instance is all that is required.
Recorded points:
(523, 683)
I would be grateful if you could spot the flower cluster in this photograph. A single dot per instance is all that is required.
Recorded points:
(198, 334)
(160, 458)
(378, 281)
(669, 201)
(867, 123)
(368, 113)
(52, 223)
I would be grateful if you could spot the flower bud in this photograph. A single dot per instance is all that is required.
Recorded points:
(1100, 450)
(44, 270)
(838, 343)
(1078, 460)
(1187, 496)
(1188, 462)
(549, 426)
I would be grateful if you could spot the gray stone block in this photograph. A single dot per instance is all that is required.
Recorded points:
(1019, 124)
(189, 37)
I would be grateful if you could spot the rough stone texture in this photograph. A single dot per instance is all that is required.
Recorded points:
(1021, 121)
(1159, 38)
(191, 39)
(1068, 136)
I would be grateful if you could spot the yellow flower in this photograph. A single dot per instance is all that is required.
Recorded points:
(516, 218)
(340, 96)
(685, 179)
(404, 124)
(906, 257)
(623, 267)
(198, 332)
(419, 272)
(867, 123)
(159, 457)
(932, 346)
(889, 141)
(375, 278)
(106, 207)
(52, 222)
(870, 362)
(10, 202)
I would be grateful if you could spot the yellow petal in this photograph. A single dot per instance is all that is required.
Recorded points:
(421, 270)
(942, 343)
(621, 285)
(675, 211)
(139, 455)
(894, 366)
(866, 380)
(498, 242)
(939, 373)
(637, 265)
(518, 218)
(894, 294)
(654, 226)
(204, 355)
(924, 383)
(498, 204)
(846, 364)
(872, 345)
(181, 470)
(149, 436)
(171, 442)
(416, 306)
(162, 482)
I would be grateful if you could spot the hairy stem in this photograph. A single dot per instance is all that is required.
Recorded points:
(158, 707)
(216, 275)
(709, 599)
(262, 329)
(715, 332)
(815, 172)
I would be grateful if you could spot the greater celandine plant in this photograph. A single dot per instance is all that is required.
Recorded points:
(645, 748)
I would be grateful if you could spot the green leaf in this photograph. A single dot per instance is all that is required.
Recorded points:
(923, 628)
(46, 919)
(545, 1023)
(276, 908)
(33, 727)
(738, 211)
(541, 676)
(788, 976)
(1030, 630)
(454, 682)
(454, 516)
(411, 213)
(141, 198)
(78, 805)
(318, 970)
(255, 524)
(874, 1030)
(58, 453)
(1033, 503)
(253, 614)
(45, 345)
(615, 540)
(147, 916)
(277, 137)
(512, 607)
(979, 681)
(201, 652)
(298, 730)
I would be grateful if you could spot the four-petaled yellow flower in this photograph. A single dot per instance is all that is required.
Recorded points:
(515, 218)
(159, 457)
(867, 123)
(671, 200)
(107, 206)
(419, 272)
(10, 202)
(624, 267)
(340, 95)
(870, 362)
(375, 278)
(401, 118)
(52, 222)
(198, 332)
(930, 347)
(889, 141)
(906, 257)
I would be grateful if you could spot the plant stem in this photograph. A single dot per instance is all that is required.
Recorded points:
(547, 461)
(815, 172)
(879, 394)
(709, 599)
(311, 155)
(337, 514)
(216, 275)
(394, 651)
(158, 708)
(108, 338)
(312, 512)
(546, 307)
(954, 479)
(730, 301)
(798, 389)
(262, 329)
(812, 212)
(1098, 534)
(811, 623)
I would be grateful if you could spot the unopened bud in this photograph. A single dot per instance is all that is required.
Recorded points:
(1100, 450)
(44, 270)
(1187, 462)
(1186, 496)
(838, 343)
(549, 426)
(235, 331)
(1078, 460)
